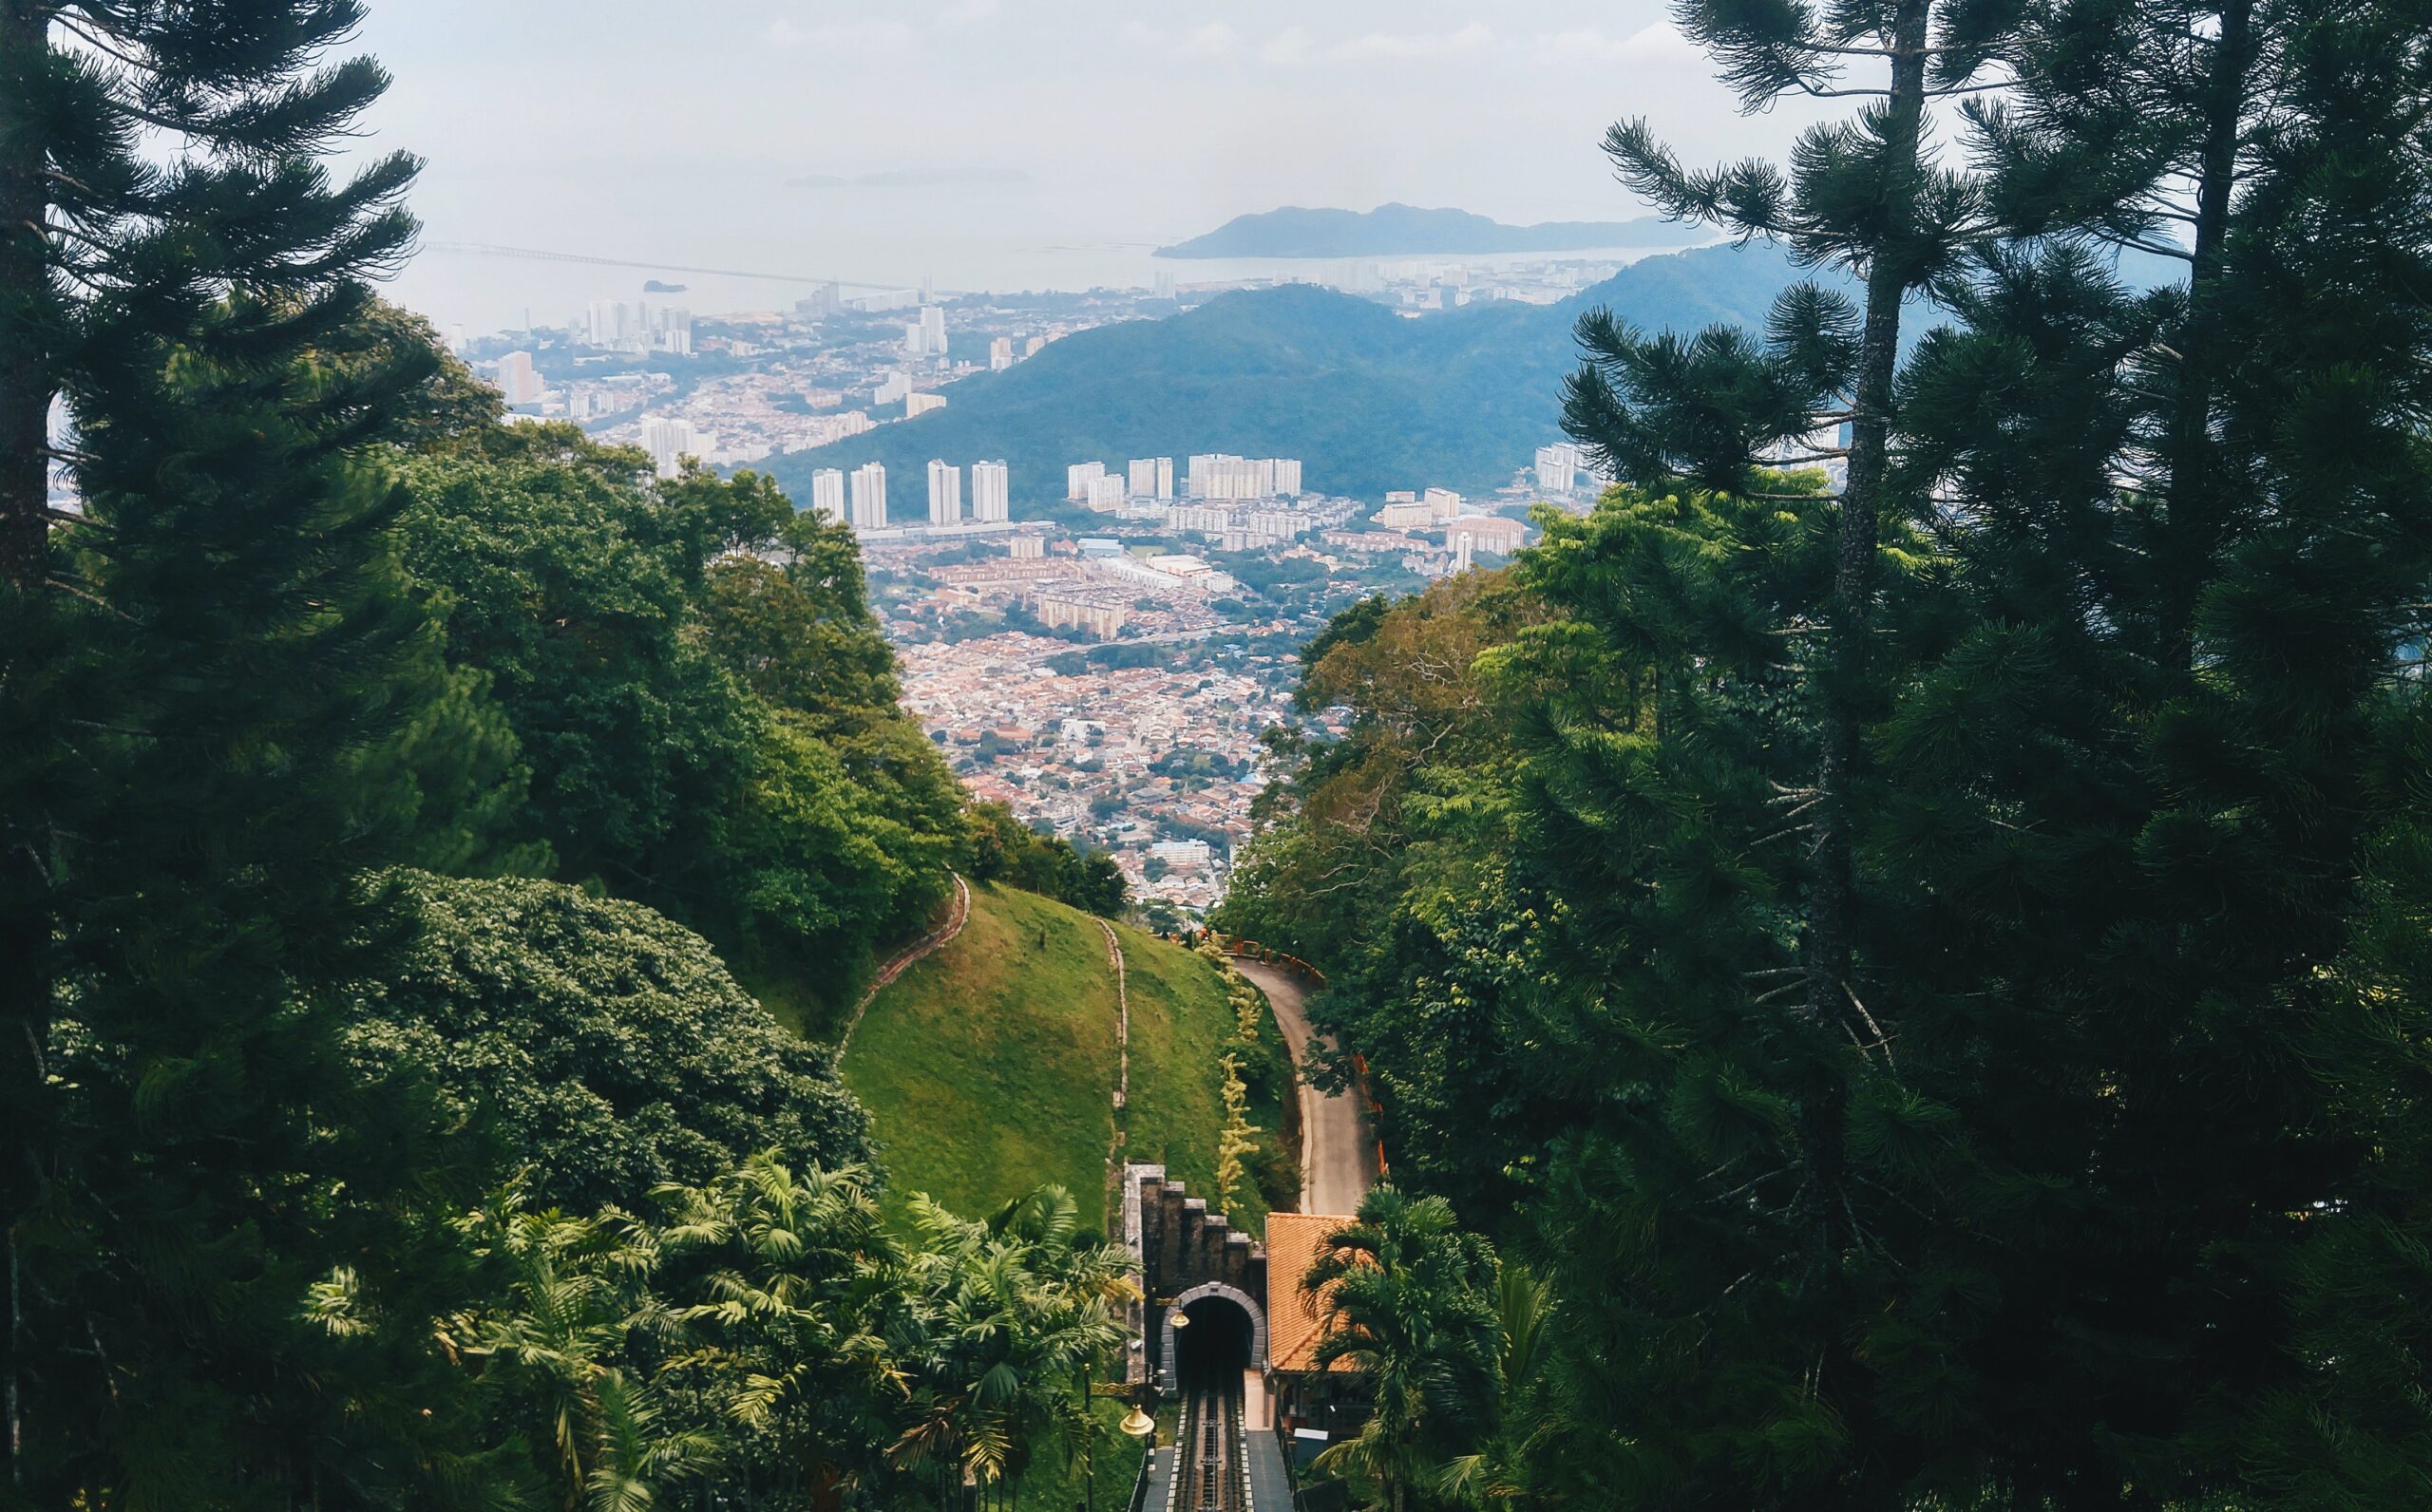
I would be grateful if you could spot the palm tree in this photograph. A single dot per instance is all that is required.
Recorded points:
(1500, 1475)
(1006, 1314)
(1403, 1294)
(798, 1278)
(573, 1298)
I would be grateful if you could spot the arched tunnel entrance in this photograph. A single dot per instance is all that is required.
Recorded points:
(1215, 1347)
(1225, 1339)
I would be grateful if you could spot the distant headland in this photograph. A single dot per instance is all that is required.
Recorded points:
(1405, 230)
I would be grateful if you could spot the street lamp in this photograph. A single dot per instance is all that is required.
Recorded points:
(1138, 1424)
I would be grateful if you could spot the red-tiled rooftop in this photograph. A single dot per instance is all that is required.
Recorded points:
(1294, 1320)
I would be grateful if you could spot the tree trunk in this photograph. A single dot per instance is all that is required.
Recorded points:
(2196, 488)
(1832, 900)
(27, 384)
(26, 375)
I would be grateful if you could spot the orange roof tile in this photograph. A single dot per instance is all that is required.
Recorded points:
(1294, 1320)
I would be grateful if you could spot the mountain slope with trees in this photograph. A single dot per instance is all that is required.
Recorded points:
(1398, 229)
(1369, 400)
(1934, 971)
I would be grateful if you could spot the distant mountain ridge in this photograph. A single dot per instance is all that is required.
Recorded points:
(1398, 230)
(1370, 400)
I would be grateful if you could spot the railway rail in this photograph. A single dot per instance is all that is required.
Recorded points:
(1213, 1468)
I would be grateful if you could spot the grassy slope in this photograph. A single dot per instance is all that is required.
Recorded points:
(1179, 1026)
(989, 1067)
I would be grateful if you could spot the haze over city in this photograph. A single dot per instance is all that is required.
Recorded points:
(995, 144)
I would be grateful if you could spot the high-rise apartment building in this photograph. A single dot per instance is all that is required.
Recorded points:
(1165, 477)
(671, 439)
(1078, 478)
(1499, 533)
(1557, 467)
(1222, 475)
(1144, 476)
(1027, 548)
(1200, 519)
(990, 494)
(869, 496)
(1107, 493)
(945, 494)
(1001, 354)
(922, 404)
(933, 330)
(1442, 504)
(828, 494)
(517, 379)
(892, 389)
(1035, 346)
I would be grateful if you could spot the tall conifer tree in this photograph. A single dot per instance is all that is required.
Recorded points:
(1863, 196)
(194, 657)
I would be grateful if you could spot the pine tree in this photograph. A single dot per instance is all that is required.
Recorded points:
(1699, 784)
(2133, 125)
(200, 655)
(1864, 196)
(2155, 817)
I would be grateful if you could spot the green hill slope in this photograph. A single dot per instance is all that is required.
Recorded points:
(1369, 400)
(991, 1066)
(1405, 230)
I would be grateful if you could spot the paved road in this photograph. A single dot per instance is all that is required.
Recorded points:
(1338, 1154)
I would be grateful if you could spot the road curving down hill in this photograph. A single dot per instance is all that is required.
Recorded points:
(1337, 1152)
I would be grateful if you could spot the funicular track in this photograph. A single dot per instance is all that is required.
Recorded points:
(1211, 1475)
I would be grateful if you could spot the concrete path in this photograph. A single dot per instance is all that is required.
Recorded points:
(1338, 1153)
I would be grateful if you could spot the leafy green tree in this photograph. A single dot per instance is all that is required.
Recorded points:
(708, 733)
(793, 1281)
(1511, 1468)
(552, 1336)
(1007, 1316)
(1404, 1296)
(998, 846)
(601, 1046)
(1101, 887)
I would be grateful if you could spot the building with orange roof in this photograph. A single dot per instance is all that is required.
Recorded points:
(1304, 1397)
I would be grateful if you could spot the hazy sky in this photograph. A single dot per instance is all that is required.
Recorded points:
(659, 129)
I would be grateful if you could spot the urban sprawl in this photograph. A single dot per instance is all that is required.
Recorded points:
(1101, 651)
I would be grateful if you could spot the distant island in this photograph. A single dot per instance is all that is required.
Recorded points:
(1404, 230)
(653, 286)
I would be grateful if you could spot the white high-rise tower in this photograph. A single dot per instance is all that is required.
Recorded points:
(991, 497)
(828, 494)
(869, 496)
(945, 494)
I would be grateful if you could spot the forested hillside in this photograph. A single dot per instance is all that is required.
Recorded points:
(1934, 974)
(1904, 997)
(1369, 400)
(391, 794)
